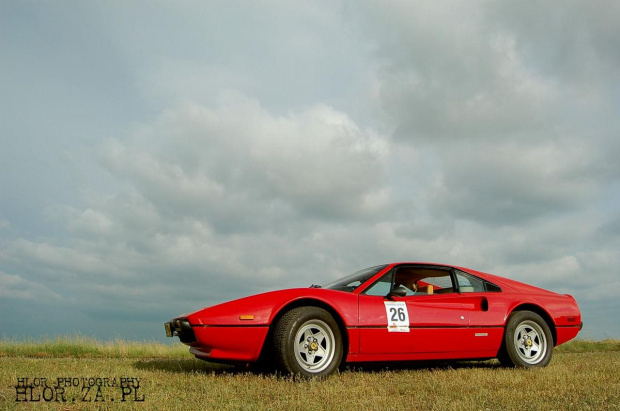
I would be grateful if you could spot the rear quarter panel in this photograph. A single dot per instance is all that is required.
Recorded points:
(561, 310)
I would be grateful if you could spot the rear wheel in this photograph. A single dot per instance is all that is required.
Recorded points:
(527, 341)
(307, 342)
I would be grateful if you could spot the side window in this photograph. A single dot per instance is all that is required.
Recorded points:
(424, 280)
(469, 284)
(381, 287)
(420, 281)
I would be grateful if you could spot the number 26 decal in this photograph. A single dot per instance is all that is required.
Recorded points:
(397, 316)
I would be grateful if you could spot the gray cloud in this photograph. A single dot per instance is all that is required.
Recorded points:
(153, 166)
(16, 287)
(515, 183)
(197, 161)
(458, 80)
(582, 55)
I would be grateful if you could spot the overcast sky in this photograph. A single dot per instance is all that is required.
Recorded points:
(158, 157)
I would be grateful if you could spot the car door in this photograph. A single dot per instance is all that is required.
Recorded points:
(436, 323)
(431, 319)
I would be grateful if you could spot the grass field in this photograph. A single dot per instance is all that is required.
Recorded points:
(582, 375)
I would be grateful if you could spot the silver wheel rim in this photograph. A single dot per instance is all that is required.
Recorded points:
(530, 342)
(314, 346)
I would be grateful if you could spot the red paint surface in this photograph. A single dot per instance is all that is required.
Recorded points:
(441, 326)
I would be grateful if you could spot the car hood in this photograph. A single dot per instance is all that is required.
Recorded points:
(260, 309)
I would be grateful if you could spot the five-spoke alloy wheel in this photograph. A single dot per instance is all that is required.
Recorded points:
(307, 342)
(527, 341)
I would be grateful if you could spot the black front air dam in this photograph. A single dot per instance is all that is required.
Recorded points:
(181, 328)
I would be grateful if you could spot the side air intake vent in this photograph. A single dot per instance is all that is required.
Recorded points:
(492, 287)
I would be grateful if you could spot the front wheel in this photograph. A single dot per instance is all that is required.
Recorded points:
(527, 341)
(307, 342)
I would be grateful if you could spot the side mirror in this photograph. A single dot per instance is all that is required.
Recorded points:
(398, 291)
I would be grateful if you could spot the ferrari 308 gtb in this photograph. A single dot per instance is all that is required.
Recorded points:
(393, 312)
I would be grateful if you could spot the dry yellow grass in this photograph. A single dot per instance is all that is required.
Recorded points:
(576, 379)
(86, 347)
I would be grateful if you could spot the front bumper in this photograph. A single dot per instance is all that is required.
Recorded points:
(231, 344)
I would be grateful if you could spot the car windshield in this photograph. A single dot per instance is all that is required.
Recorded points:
(354, 280)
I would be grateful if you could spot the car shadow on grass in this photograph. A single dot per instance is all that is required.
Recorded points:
(185, 366)
(194, 366)
(422, 365)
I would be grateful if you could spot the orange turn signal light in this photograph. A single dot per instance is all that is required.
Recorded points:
(246, 317)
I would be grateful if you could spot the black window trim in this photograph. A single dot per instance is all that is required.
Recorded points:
(426, 266)
(452, 271)
(485, 282)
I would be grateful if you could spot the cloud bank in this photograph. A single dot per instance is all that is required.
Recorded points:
(213, 151)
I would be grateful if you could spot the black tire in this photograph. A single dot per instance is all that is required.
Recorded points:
(527, 341)
(307, 343)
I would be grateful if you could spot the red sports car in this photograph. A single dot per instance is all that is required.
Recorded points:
(393, 312)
